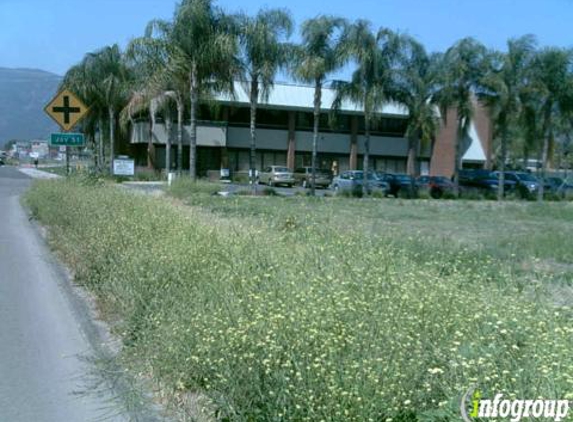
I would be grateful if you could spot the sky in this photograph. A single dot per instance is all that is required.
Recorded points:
(53, 35)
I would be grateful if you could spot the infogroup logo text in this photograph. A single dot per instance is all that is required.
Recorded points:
(514, 410)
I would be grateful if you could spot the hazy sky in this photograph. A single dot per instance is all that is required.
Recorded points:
(54, 34)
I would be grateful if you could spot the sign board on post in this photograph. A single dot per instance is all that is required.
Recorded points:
(66, 109)
(67, 139)
(123, 166)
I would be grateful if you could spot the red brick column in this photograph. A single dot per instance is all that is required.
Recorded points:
(444, 153)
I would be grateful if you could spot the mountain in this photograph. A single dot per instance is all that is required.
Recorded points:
(23, 95)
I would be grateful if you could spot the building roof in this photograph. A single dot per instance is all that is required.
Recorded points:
(300, 97)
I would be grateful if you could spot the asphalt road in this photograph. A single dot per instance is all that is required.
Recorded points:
(43, 332)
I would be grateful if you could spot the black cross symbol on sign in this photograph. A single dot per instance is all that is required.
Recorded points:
(66, 109)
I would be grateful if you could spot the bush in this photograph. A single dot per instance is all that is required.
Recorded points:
(357, 193)
(449, 195)
(407, 193)
(268, 191)
(278, 318)
(552, 196)
(147, 175)
(240, 177)
(472, 195)
(184, 187)
(378, 194)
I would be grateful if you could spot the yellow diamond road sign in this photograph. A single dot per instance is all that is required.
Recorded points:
(66, 110)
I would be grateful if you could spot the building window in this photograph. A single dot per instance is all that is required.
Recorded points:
(327, 122)
(385, 126)
(239, 116)
(272, 118)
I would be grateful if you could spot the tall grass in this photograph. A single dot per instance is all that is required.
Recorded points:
(305, 309)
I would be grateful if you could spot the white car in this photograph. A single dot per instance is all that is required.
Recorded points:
(277, 175)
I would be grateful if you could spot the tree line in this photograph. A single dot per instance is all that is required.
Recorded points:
(178, 64)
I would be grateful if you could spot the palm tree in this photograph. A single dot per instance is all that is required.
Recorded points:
(414, 88)
(112, 79)
(371, 83)
(550, 84)
(464, 63)
(80, 82)
(162, 75)
(319, 55)
(502, 89)
(263, 53)
(206, 39)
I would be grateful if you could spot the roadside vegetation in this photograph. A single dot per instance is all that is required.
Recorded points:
(310, 309)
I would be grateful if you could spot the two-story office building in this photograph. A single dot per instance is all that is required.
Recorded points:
(285, 131)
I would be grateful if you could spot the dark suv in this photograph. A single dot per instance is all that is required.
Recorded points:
(399, 183)
(483, 180)
(526, 184)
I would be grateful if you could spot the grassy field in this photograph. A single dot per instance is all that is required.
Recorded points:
(303, 309)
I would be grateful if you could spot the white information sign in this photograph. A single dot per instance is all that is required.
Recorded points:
(123, 167)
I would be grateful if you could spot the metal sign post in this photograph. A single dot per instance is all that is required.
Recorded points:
(67, 111)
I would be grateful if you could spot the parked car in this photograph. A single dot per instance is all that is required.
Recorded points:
(436, 186)
(399, 182)
(352, 181)
(483, 180)
(277, 175)
(558, 186)
(526, 184)
(303, 177)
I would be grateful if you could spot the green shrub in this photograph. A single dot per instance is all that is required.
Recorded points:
(268, 191)
(356, 193)
(294, 315)
(146, 175)
(378, 194)
(472, 195)
(240, 177)
(405, 193)
(184, 187)
(552, 196)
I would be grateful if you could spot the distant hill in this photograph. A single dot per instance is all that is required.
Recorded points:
(23, 96)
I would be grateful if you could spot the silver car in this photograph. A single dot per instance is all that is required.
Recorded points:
(352, 181)
(277, 175)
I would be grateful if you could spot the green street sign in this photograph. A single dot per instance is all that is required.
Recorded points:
(67, 139)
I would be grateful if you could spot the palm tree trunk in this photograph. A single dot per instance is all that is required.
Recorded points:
(413, 142)
(93, 141)
(525, 157)
(111, 138)
(366, 151)
(317, 103)
(544, 155)
(457, 158)
(253, 156)
(150, 146)
(193, 129)
(547, 134)
(168, 125)
(180, 136)
(502, 158)
(101, 159)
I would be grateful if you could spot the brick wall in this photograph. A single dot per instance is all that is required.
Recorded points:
(443, 155)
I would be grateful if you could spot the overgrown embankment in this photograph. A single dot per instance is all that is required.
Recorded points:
(297, 317)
